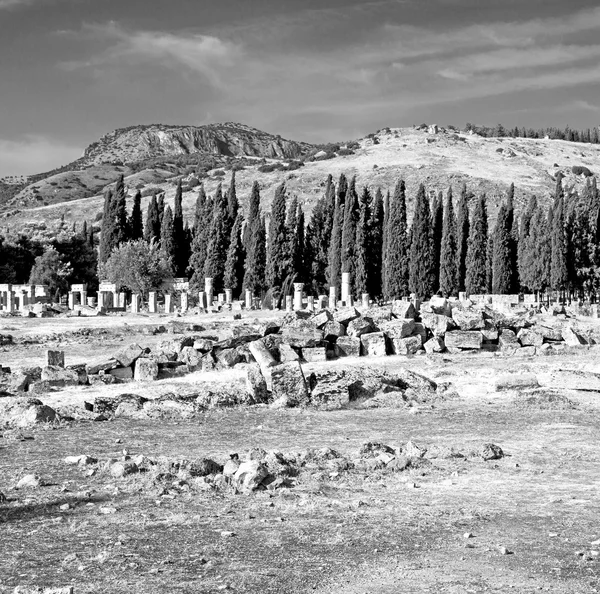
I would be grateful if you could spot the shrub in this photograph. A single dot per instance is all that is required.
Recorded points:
(345, 152)
(354, 144)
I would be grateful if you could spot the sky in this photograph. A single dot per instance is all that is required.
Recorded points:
(313, 70)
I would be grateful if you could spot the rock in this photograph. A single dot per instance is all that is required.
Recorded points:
(463, 339)
(24, 412)
(59, 376)
(146, 370)
(401, 328)
(262, 354)
(345, 315)
(302, 334)
(434, 345)
(204, 467)
(250, 475)
(490, 451)
(421, 331)
(373, 345)
(289, 384)
(231, 466)
(175, 344)
(468, 319)
(208, 363)
(516, 382)
(528, 351)
(190, 356)
(122, 373)
(30, 481)
(55, 358)
(439, 305)
(101, 365)
(124, 468)
(378, 315)
(14, 382)
(40, 590)
(412, 450)
(228, 357)
(314, 355)
(571, 337)
(358, 327)
(333, 330)
(507, 338)
(437, 323)
(321, 319)
(489, 335)
(346, 346)
(129, 355)
(204, 345)
(405, 346)
(403, 309)
(256, 384)
(81, 370)
(551, 334)
(109, 404)
(82, 460)
(530, 337)
(287, 353)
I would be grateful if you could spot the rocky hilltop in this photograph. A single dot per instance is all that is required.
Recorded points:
(137, 143)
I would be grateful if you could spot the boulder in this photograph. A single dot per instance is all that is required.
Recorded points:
(434, 345)
(400, 328)
(15, 382)
(346, 346)
(256, 384)
(405, 346)
(489, 335)
(437, 323)
(175, 344)
(287, 353)
(490, 451)
(345, 315)
(333, 330)
(228, 357)
(289, 385)
(373, 345)
(25, 412)
(421, 331)
(440, 305)
(378, 315)
(314, 355)
(549, 333)
(208, 362)
(463, 339)
(108, 404)
(190, 356)
(403, 309)
(59, 376)
(302, 334)
(468, 319)
(30, 481)
(529, 337)
(358, 327)
(129, 355)
(250, 475)
(123, 468)
(146, 370)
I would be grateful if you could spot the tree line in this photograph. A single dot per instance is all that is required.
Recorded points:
(447, 247)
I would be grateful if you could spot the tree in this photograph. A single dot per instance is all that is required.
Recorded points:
(462, 236)
(422, 277)
(361, 246)
(334, 270)
(167, 244)
(234, 264)
(51, 269)
(375, 246)
(524, 261)
(278, 263)
(538, 251)
(254, 277)
(152, 229)
(232, 203)
(396, 246)
(200, 232)
(558, 266)
(475, 281)
(136, 227)
(448, 257)
(502, 273)
(513, 241)
(114, 221)
(218, 242)
(161, 207)
(253, 213)
(181, 248)
(136, 265)
(384, 244)
(437, 224)
(351, 214)
(199, 211)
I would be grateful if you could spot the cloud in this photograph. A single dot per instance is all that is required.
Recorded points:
(34, 154)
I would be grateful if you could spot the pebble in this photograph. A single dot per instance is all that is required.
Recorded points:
(29, 481)
(227, 533)
(107, 510)
(505, 551)
(468, 535)
(64, 507)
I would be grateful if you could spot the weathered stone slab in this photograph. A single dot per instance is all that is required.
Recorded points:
(571, 337)
(204, 345)
(438, 324)
(489, 334)
(468, 319)
(302, 334)
(373, 344)
(320, 319)
(405, 346)
(256, 384)
(403, 309)
(399, 328)
(508, 338)
(55, 358)
(346, 346)
(463, 339)
(129, 355)
(529, 337)
(24, 412)
(356, 328)
(190, 356)
(262, 354)
(345, 315)
(314, 355)
(287, 353)
(228, 357)
(513, 381)
(333, 330)
(122, 373)
(434, 345)
(58, 376)
(145, 370)
(289, 385)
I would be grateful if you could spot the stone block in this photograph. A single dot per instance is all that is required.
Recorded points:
(129, 355)
(468, 319)
(400, 328)
(287, 353)
(289, 385)
(373, 344)
(358, 327)
(314, 355)
(59, 376)
(261, 354)
(513, 381)
(463, 339)
(55, 358)
(437, 323)
(190, 356)
(145, 370)
(204, 345)
(302, 334)
(122, 373)
(346, 346)
(571, 337)
(321, 318)
(508, 338)
(256, 384)
(228, 357)
(403, 309)
(434, 345)
(345, 315)
(405, 346)
(530, 338)
(333, 330)
(489, 334)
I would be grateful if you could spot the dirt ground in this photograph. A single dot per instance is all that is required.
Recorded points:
(531, 517)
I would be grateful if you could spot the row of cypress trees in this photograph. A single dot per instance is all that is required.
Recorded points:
(447, 248)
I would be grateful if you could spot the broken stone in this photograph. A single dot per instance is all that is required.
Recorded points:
(129, 355)
(405, 346)
(204, 345)
(403, 309)
(508, 338)
(250, 475)
(463, 339)
(373, 344)
(530, 337)
(571, 337)
(302, 334)
(287, 353)
(103, 365)
(262, 354)
(55, 358)
(358, 327)
(82, 460)
(59, 376)
(146, 370)
(490, 451)
(190, 356)
(402, 328)
(489, 335)
(124, 468)
(438, 324)
(30, 481)
(434, 345)
(289, 384)
(256, 384)
(333, 330)
(468, 319)
(24, 412)
(346, 346)
(122, 373)
(314, 355)
(228, 357)
(321, 319)
(516, 382)
(345, 315)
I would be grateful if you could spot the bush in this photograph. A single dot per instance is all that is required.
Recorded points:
(149, 191)
(345, 152)
(580, 169)
(354, 144)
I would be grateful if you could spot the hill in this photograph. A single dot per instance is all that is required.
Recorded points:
(436, 157)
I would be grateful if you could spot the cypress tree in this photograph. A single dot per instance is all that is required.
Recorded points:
(114, 222)
(199, 211)
(334, 271)
(396, 255)
(254, 277)
(437, 224)
(291, 224)
(299, 257)
(421, 270)
(218, 243)
(253, 213)
(152, 229)
(558, 266)
(462, 236)
(361, 247)
(384, 245)
(328, 210)
(106, 231)
(84, 229)
(120, 209)
(181, 247)
(235, 262)
(489, 264)
(448, 257)
(513, 243)
(232, 202)
(161, 207)
(501, 258)
(524, 261)
(277, 250)
(540, 249)
(167, 244)
(475, 282)
(375, 246)
(200, 234)
(342, 188)
(351, 214)
(136, 228)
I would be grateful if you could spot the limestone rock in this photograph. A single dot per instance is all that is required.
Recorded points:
(129, 355)
(373, 344)
(321, 319)
(289, 384)
(529, 337)
(333, 330)
(250, 475)
(302, 334)
(571, 337)
(122, 373)
(256, 384)
(515, 381)
(345, 315)
(101, 365)
(55, 358)
(508, 338)
(463, 339)
(346, 346)
(30, 481)
(400, 328)
(403, 309)
(25, 412)
(468, 319)
(551, 334)
(124, 468)
(490, 451)
(203, 345)
(228, 357)
(262, 354)
(489, 334)
(434, 345)
(287, 353)
(59, 376)
(437, 323)
(146, 370)
(440, 305)
(405, 346)
(190, 356)
(314, 355)
(358, 327)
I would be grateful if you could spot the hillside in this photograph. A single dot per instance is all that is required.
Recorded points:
(436, 158)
